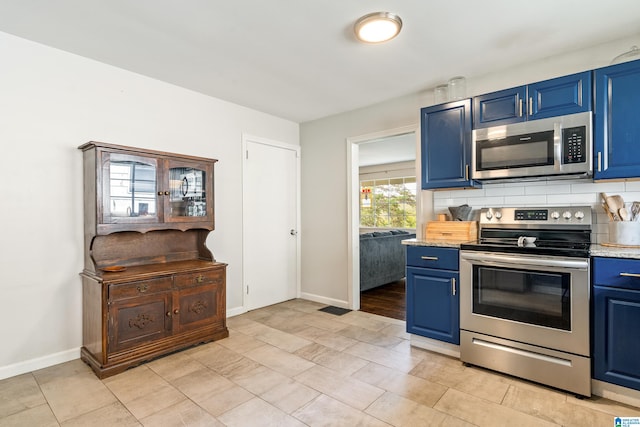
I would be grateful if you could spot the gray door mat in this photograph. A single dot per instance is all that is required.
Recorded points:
(334, 310)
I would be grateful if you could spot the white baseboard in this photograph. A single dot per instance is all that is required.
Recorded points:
(324, 300)
(436, 346)
(615, 392)
(236, 311)
(38, 363)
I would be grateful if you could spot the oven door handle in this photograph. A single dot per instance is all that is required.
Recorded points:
(486, 258)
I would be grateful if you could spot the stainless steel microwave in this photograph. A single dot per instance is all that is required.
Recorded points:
(538, 148)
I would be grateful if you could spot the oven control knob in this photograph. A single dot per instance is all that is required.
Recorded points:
(555, 215)
(566, 215)
(498, 214)
(489, 215)
(579, 215)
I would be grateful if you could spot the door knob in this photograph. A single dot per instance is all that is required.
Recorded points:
(293, 232)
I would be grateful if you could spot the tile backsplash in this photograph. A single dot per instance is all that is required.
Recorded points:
(579, 192)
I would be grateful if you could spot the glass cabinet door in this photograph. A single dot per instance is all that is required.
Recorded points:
(190, 192)
(130, 188)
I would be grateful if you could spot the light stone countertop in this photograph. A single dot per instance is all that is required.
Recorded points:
(595, 250)
(433, 242)
(614, 251)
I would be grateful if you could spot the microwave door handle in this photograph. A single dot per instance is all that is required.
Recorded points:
(494, 259)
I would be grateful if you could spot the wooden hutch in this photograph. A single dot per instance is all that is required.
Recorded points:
(150, 285)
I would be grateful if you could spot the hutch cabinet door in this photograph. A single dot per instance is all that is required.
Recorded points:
(560, 96)
(129, 189)
(189, 194)
(616, 125)
(198, 307)
(433, 305)
(499, 108)
(139, 320)
(446, 145)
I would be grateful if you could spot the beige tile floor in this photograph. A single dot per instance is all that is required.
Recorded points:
(291, 365)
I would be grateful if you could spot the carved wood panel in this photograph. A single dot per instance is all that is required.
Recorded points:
(136, 321)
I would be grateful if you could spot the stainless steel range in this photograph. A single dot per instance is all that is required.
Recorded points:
(524, 295)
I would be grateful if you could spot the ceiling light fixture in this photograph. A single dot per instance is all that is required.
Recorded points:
(377, 27)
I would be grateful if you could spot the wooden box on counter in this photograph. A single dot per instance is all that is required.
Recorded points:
(458, 231)
(150, 285)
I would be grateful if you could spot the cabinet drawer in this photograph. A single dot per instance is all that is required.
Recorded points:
(199, 278)
(139, 288)
(432, 257)
(616, 272)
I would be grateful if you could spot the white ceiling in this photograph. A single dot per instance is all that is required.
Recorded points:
(298, 59)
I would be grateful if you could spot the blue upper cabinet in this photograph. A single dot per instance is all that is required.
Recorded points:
(560, 96)
(499, 108)
(549, 98)
(616, 124)
(446, 145)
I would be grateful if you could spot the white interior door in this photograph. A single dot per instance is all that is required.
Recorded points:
(270, 222)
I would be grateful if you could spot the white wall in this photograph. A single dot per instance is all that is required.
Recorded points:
(324, 176)
(324, 187)
(50, 103)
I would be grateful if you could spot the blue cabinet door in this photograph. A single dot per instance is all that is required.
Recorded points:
(549, 98)
(616, 337)
(616, 124)
(433, 305)
(446, 145)
(499, 108)
(559, 96)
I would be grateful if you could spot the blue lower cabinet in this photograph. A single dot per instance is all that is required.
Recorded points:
(616, 321)
(616, 350)
(433, 305)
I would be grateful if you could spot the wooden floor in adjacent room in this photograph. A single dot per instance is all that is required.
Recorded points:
(387, 300)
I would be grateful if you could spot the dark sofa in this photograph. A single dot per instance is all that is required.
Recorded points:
(382, 257)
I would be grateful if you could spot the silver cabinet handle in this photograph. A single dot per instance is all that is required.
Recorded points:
(531, 106)
(630, 274)
(453, 286)
(599, 161)
(466, 173)
(429, 258)
(520, 108)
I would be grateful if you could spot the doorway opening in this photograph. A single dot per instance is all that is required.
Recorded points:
(388, 300)
(379, 154)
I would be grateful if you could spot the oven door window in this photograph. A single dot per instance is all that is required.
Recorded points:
(534, 297)
(521, 151)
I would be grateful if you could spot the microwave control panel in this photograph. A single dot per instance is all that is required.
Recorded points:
(574, 145)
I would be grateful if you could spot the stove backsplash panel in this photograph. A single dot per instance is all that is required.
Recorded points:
(541, 193)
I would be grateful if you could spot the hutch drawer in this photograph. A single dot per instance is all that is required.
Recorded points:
(139, 288)
(199, 278)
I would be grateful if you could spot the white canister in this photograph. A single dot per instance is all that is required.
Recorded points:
(625, 233)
